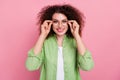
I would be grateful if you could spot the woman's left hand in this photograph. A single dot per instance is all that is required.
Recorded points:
(74, 27)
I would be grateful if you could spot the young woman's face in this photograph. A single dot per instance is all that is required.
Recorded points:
(60, 25)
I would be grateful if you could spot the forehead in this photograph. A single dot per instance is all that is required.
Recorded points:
(59, 16)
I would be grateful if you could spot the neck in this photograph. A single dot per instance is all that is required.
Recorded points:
(60, 40)
(60, 37)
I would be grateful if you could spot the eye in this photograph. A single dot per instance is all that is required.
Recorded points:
(55, 21)
(64, 21)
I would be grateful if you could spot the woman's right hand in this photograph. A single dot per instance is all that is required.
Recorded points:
(45, 27)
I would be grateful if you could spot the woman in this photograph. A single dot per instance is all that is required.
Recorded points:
(59, 50)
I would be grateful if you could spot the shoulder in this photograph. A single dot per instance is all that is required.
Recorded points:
(70, 41)
(49, 40)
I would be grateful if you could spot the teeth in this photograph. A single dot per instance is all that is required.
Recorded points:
(60, 30)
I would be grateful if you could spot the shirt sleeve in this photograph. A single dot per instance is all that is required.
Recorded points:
(33, 61)
(85, 62)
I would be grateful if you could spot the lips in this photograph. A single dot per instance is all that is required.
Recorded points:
(60, 30)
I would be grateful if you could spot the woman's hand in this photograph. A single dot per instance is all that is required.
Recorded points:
(45, 27)
(74, 27)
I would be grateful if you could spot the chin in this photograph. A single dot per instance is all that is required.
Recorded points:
(60, 34)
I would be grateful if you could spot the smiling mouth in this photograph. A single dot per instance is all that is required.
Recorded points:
(60, 30)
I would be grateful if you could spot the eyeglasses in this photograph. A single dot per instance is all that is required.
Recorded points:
(63, 22)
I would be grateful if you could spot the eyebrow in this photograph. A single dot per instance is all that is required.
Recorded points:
(58, 20)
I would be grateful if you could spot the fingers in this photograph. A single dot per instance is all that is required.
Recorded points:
(70, 23)
(73, 24)
(47, 24)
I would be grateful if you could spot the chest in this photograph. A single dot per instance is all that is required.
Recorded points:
(68, 53)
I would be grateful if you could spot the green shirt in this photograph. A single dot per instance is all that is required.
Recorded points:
(47, 60)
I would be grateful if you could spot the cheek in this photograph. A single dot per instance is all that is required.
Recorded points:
(66, 27)
(53, 28)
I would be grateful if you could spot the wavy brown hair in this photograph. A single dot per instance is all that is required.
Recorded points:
(69, 11)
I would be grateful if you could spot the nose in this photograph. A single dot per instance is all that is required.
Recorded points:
(60, 24)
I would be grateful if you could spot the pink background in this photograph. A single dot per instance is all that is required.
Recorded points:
(18, 33)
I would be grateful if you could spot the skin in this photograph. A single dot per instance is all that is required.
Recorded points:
(60, 27)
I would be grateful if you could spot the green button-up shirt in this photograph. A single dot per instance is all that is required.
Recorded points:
(47, 60)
